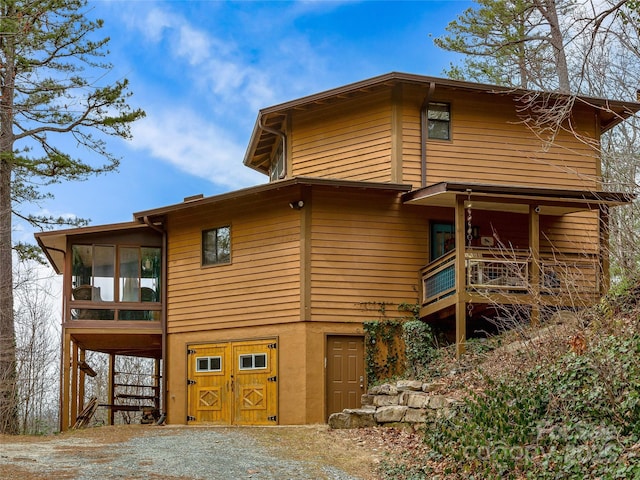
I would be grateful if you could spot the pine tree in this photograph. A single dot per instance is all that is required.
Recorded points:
(47, 52)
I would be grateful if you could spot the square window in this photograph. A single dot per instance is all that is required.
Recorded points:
(260, 361)
(439, 121)
(246, 362)
(203, 364)
(215, 364)
(216, 246)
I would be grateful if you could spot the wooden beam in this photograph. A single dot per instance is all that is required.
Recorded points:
(534, 274)
(82, 373)
(65, 381)
(603, 224)
(112, 375)
(461, 290)
(396, 133)
(74, 383)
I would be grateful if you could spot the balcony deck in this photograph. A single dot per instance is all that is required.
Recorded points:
(510, 277)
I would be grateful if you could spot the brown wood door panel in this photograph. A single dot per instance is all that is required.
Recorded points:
(345, 379)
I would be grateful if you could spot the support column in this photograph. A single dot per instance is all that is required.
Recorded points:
(603, 224)
(156, 383)
(534, 272)
(65, 381)
(461, 288)
(81, 381)
(112, 376)
(74, 384)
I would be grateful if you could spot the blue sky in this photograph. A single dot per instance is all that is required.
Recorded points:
(202, 69)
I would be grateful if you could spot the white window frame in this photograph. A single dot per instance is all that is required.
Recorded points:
(209, 369)
(253, 361)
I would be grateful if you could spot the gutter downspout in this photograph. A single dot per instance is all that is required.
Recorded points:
(163, 405)
(282, 136)
(423, 133)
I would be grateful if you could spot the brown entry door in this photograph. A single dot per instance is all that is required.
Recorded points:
(345, 372)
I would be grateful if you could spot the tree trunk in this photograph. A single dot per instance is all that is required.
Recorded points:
(548, 9)
(8, 373)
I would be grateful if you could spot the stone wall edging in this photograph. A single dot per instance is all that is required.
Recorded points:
(409, 403)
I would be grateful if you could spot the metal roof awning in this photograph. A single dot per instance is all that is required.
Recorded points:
(516, 199)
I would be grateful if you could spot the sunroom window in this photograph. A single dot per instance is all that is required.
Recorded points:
(111, 275)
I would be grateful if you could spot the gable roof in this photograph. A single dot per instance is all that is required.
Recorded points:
(270, 120)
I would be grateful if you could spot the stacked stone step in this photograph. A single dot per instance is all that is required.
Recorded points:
(405, 403)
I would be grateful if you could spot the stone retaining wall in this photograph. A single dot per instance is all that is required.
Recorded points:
(405, 403)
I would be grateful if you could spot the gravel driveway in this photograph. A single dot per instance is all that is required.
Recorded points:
(179, 452)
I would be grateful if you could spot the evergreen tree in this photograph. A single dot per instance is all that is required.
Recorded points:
(47, 52)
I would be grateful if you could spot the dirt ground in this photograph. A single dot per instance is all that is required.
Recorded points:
(345, 454)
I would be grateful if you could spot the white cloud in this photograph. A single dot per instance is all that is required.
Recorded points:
(202, 149)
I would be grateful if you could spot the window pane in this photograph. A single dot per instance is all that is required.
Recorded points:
(82, 265)
(260, 361)
(203, 364)
(439, 130)
(215, 364)
(151, 270)
(104, 272)
(216, 246)
(246, 362)
(129, 287)
(439, 121)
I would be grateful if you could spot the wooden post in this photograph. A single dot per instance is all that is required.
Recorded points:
(81, 381)
(534, 247)
(112, 376)
(74, 383)
(603, 225)
(461, 281)
(65, 381)
(156, 383)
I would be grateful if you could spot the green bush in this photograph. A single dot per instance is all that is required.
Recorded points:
(419, 347)
(578, 418)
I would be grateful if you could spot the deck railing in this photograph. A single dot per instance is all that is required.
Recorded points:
(495, 271)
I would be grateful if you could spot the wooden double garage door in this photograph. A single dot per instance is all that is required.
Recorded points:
(233, 383)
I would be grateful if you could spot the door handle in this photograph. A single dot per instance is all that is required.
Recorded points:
(361, 381)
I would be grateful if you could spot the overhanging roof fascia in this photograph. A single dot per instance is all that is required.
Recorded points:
(268, 187)
(54, 242)
(395, 77)
(515, 198)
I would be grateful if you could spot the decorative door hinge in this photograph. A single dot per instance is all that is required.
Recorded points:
(272, 345)
(273, 418)
(272, 379)
(190, 418)
(191, 382)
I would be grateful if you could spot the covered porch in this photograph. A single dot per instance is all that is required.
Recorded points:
(496, 249)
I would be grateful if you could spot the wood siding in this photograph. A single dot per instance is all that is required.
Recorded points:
(349, 141)
(359, 139)
(491, 145)
(366, 253)
(260, 285)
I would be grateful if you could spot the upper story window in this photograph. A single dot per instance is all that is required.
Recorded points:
(439, 121)
(216, 246)
(109, 273)
(277, 170)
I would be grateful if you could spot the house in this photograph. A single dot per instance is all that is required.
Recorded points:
(399, 188)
